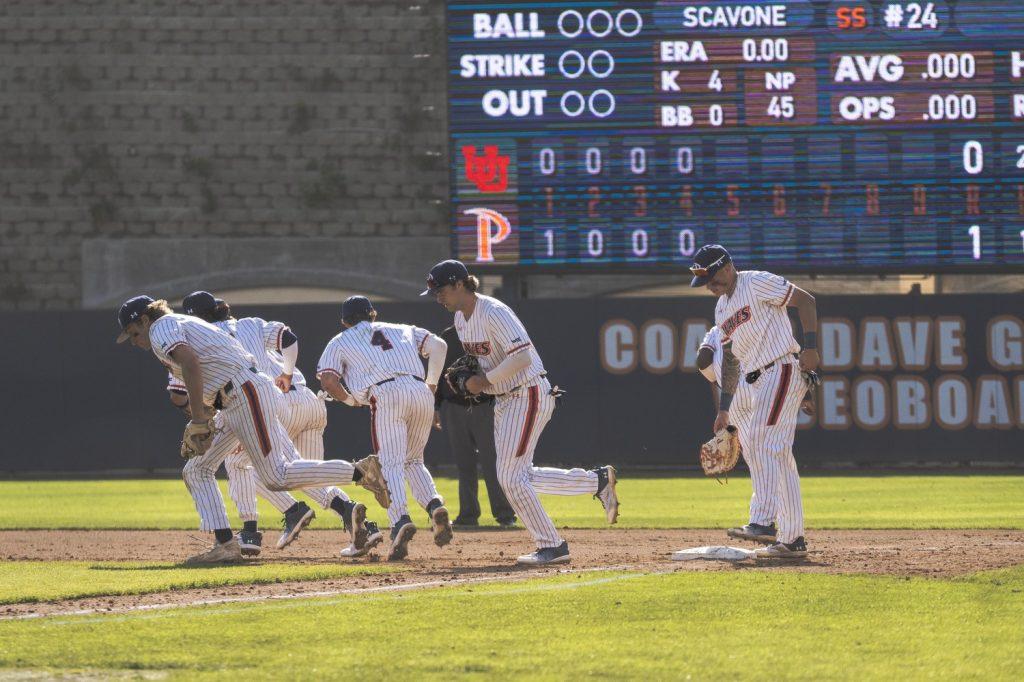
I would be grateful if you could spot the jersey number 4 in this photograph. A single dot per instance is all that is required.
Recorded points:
(378, 339)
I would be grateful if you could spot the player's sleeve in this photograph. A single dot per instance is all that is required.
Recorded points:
(331, 361)
(271, 333)
(710, 339)
(166, 334)
(507, 331)
(175, 385)
(772, 289)
(419, 337)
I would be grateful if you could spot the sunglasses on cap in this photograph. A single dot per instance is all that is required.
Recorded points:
(705, 270)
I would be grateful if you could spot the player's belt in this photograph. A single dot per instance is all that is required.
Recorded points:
(513, 390)
(226, 390)
(751, 377)
(411, 376)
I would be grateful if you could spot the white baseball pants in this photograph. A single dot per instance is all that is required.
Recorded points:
(519, 418)
(771, 429)
(401, 416)
(253, 415)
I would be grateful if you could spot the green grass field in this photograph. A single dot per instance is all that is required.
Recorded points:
(31, 581)
(603, 625)
(979, 501)
(623, 625)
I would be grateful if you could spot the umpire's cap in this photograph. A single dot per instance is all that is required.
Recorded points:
(445, 272)
(356, 307)
(129, 312)
(199, 302)
(708, 260)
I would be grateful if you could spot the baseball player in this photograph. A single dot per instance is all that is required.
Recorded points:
(763, 472)
(216, 370)
(759, 349)
(379, 364)
(524, 402)
(243, 483)
(276, 349)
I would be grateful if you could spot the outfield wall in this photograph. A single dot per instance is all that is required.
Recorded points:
(906, 378)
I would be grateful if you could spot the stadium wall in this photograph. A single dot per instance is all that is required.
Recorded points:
(924, 379)
(140, 135)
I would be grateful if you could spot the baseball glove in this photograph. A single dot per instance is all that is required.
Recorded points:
(459, 373)
(719, 455)
(197, 439)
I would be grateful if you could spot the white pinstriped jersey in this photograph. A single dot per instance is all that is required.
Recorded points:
(492, 333)
(713, 340)
(371, 352)
(262, 340)
(754, 319)
(220, 356)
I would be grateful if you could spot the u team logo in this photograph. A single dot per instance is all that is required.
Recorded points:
(488, 171)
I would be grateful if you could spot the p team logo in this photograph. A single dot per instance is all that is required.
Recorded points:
(491, 228)
(487, 233)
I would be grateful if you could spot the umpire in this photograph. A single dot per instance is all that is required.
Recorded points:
(470, 430)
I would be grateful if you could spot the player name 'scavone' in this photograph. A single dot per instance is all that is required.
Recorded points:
(736, 16)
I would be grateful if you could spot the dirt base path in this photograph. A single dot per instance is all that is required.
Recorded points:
(481, 556)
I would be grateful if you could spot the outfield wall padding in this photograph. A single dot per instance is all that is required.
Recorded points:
(906, 379)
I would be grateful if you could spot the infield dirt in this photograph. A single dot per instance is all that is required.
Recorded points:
(489, 555)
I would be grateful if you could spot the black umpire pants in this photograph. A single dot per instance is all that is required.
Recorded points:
(471, 435)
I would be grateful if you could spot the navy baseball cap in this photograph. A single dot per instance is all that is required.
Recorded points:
(199, 302)
(445, 272)
(708, 260)
(129, 312)
(356, 306)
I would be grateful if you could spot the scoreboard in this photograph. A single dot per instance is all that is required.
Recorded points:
(804, 135)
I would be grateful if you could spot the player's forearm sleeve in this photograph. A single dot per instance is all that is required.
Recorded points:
(435, 349)
(508, 367)
(289, 355)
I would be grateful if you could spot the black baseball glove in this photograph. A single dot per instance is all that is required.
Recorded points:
(459, 373)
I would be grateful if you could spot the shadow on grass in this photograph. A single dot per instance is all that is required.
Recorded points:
(365, 568)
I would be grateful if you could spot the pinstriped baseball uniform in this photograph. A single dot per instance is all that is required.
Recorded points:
(380, 364)
(522, 408)
(307, 415)
(763, 471)
(252, 411)
(756, 325)
(243, 483)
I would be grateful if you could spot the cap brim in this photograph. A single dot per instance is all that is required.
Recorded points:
(700, 281)
(122, 337)
(426, 291)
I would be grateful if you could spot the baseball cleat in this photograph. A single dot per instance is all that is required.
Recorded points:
(401, 534)
(293, 523)
(373, 479)
(783, 550)
(250, 542)
(507, 524)
(606, 492)
(220, 553)
(373, 538)
(442, 526)
(546, 555)
(357, 524)
(755, 532)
